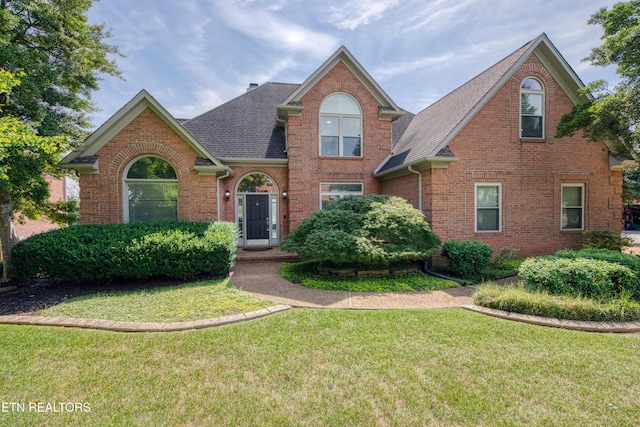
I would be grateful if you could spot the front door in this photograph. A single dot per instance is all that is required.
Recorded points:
(257, 219)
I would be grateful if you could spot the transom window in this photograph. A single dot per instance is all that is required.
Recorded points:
(334, 191)
(488, 207)
(531, 108)
(340, 126)
(572, 207)
(151, 189)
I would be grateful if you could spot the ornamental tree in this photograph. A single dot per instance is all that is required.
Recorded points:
(364, 230)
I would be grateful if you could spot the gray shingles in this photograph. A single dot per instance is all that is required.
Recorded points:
(245, 126)
(427, 132)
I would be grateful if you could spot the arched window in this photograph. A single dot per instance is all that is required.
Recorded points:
(340, 126)
(151, 190)
(531, 109)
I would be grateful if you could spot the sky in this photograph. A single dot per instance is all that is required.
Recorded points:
(193, 55)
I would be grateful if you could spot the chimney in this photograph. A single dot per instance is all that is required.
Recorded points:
(252, 86)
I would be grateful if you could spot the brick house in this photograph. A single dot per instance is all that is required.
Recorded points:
(482, 163)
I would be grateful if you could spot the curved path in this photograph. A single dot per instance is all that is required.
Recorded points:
(263, 280)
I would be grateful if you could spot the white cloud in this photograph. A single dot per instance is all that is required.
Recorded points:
(261, 23)
(351, 15)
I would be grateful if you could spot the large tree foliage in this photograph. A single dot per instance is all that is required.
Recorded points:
(62, 56)
(613, 116)
(364, 230)
(49, 47)
(25, 157)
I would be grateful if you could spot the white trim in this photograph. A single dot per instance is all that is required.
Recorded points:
(340, 193)
(340, 117)
(475, 206)
(274, 212)
(582, 207)
(125, 185)
(542, 93)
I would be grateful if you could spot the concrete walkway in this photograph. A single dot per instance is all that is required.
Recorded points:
(263, 280)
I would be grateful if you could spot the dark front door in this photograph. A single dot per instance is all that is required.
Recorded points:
(257, 217)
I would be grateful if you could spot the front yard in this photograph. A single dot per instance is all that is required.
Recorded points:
(326, 367)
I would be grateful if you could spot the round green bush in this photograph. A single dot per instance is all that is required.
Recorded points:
(369, 230)
(466, 258)
(631, 261)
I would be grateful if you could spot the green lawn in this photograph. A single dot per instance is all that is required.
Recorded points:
(191, 301)
(327, 367)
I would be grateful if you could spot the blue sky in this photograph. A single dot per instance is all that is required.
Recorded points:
(193, 55)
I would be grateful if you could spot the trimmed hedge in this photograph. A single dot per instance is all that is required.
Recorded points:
(174, 249)
(631, 261)
(466, 258)
(578, 277)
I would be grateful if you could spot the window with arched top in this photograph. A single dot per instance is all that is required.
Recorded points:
(531, 108)
(340, 126)
(151, 190)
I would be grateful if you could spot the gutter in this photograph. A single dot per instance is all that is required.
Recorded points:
(218, 179)
(410, 169)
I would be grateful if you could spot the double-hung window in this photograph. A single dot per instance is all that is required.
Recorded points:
(488, 207)
(531, 109)
(572, 215)
(334, 191)
(340, 126)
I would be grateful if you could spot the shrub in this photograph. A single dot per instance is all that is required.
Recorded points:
(139, 250)
(631, 261)
(604, 239)
(364, 230)
(520, 300)
(466, 258)
(500, 259)
(578, 277)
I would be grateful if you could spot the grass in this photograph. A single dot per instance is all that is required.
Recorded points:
(191, 301)
(327, 367)
(305, 273)
(518, 299)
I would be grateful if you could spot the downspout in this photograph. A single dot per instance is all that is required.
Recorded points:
(286, 139)
(218, 179)
(410, 169)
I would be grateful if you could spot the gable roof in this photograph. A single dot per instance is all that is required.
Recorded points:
(427, 137)
(245, 127)
(85, 159)
(293, 105)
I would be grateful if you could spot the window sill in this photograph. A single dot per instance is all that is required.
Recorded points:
(533, 139)
(342, 157)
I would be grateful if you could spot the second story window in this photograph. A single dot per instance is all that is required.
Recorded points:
(531, 109)
(340, 126)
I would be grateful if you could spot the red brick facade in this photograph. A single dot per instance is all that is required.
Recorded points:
(101, 194)
(489, 149)
(307, 169)
(531, 173)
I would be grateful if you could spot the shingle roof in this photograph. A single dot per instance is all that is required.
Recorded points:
(245, 127)
(427, 134)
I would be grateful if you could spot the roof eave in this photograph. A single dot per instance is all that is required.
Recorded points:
(418, 165)
(250, 161)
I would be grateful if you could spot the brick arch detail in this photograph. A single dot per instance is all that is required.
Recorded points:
(126, 156)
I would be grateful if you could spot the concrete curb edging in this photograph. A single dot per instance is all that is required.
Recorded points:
(111, 325)
(578, 325)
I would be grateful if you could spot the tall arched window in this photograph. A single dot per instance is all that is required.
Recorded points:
(340, 126)
(531, 108)
(151, 190)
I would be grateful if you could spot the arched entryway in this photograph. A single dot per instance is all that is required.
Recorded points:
(257, 207)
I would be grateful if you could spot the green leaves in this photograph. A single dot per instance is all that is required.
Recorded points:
(139, 250)
(466, 258)
(371, 230)
(613, 116)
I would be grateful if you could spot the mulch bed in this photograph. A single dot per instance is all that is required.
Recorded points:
(31, 296)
